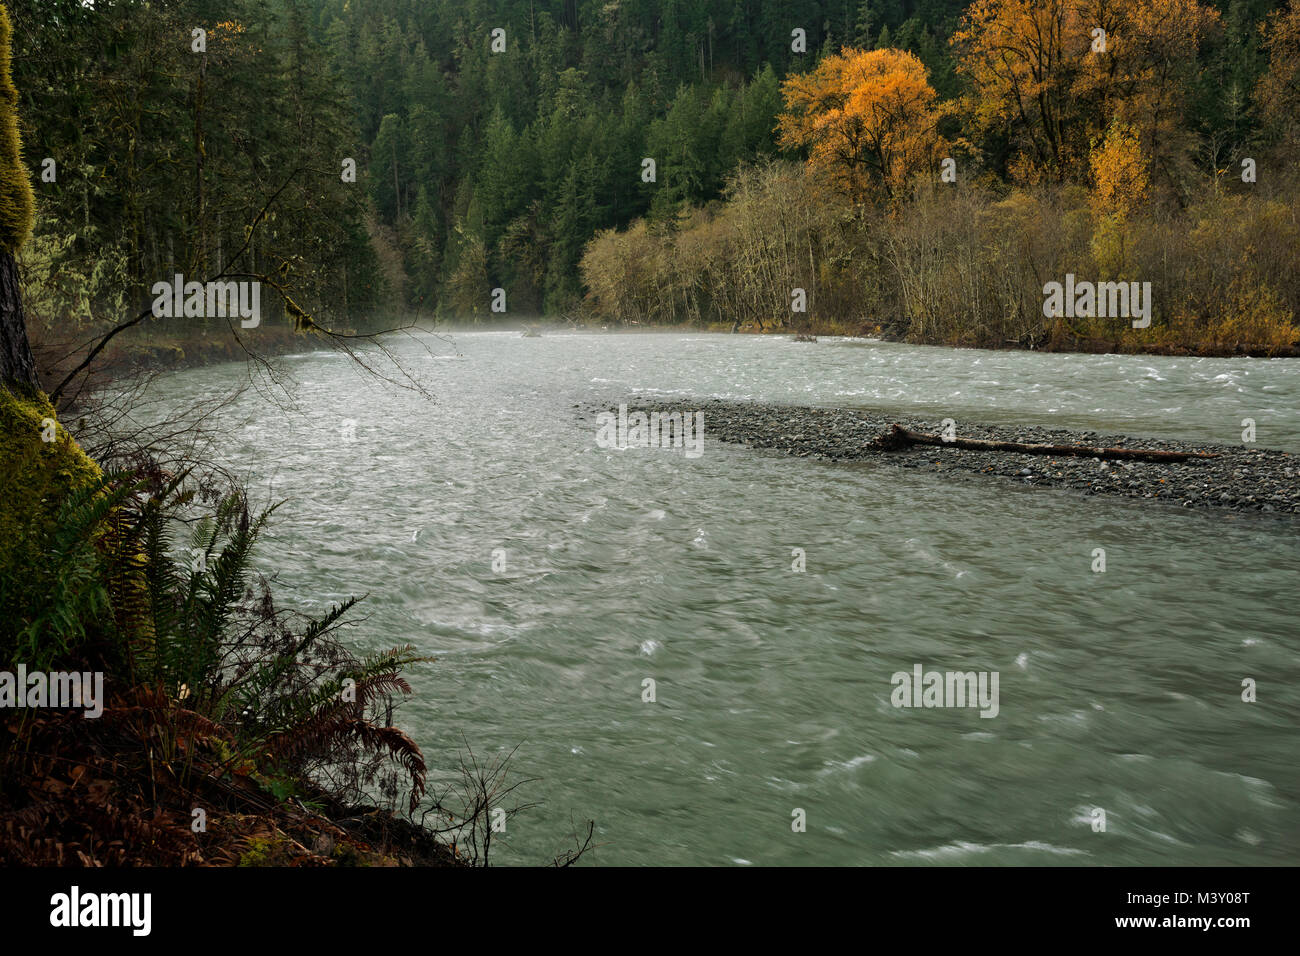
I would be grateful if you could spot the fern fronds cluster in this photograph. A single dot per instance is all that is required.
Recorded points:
(165, 593)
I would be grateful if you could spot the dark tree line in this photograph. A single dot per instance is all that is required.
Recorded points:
(150, 158)
(476, 169)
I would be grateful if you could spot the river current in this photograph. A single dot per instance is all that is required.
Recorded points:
(552, 578)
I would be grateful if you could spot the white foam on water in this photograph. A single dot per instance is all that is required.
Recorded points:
(964, 848)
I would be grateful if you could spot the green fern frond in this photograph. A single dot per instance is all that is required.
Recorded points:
(77, 596)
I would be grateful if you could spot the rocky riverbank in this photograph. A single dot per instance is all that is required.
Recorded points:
(1240, 478)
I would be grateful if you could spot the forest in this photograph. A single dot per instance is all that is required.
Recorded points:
(411, 156)
(187, 181)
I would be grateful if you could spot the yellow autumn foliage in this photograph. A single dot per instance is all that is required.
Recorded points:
(867, 117)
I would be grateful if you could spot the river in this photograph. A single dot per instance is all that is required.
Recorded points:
(1119, 691)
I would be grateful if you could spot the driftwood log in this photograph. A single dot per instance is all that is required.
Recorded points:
(899, 437)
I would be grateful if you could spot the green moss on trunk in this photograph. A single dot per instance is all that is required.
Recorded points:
(17, 204)
(36, 476)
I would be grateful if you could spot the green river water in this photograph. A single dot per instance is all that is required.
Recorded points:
(1119, 691)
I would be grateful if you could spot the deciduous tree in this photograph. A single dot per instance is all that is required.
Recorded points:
(867, 117)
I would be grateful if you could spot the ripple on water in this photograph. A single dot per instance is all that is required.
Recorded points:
(957, 852)
(1118, 690)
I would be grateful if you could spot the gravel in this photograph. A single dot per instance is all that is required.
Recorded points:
(1241, 479)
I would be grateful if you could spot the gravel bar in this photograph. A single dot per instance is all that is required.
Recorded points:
(1241, 479)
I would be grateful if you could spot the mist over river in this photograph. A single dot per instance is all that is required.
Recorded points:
(1119, 691)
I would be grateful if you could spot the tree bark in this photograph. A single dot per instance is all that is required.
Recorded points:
(899, 437)
(16, 362)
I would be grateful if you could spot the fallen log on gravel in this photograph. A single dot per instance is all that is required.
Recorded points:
(899, 437)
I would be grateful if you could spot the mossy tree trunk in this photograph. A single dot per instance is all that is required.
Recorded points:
(17, 210)
(16, 362)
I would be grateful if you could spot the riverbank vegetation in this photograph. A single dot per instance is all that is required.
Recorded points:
(1164, 157)
(231, 732)
(224, 730)
(150, 159)
(227, 730)
(963, 268)
(157, 707)
(917, 168)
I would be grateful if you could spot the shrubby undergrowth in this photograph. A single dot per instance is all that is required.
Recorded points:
(148, 577)
(960, 267)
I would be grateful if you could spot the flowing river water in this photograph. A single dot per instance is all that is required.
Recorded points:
(1119, 691)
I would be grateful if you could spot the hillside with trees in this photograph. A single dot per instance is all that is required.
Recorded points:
(503, 145)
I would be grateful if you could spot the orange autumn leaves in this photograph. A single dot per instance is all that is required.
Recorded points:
(867, 117)
(1053, 75)
(1062, 89)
